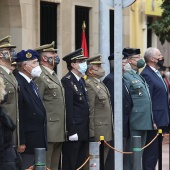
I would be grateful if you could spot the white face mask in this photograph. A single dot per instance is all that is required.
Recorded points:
(127, 67)
(36, 71)
(83, 67)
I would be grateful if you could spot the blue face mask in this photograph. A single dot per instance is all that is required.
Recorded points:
(83, 67)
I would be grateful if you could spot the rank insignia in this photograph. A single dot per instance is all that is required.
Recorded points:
(48, 80)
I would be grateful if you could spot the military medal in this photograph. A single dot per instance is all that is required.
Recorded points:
(75, 87)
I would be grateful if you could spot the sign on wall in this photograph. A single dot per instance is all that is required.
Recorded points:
(152, 7)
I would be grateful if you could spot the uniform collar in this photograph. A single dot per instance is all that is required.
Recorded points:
(48, 69)
(25, 76)
(6, 69)
(77, 77)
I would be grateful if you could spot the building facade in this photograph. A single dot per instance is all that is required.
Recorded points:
(36, 22)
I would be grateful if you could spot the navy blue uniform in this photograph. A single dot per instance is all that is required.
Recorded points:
(33, 123)
(77, 121)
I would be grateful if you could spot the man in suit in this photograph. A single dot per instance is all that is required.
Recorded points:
(101, 115)
(52, 93)
(10, 102)
(127, 103)
(77, 112)
(160, 106)
(33, 122)
(141, 118)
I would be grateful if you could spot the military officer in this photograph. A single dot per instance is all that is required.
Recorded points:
(77, 111)
(101, 116)
(141, 118)
(33, 122)
(52, 94)
(10, 102)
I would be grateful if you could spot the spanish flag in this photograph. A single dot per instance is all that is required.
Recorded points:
(83, 40)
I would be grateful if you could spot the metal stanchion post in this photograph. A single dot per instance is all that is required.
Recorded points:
(40, 159)
(137, 153)
(160, 149)
(94, 154)
(102, 153)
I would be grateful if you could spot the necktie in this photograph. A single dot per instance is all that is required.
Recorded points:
(34, 87)
(159, 75)
(82, 86)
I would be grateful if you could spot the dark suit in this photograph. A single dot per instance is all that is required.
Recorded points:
(77, 121)
(33, 123)
(160, 108)
(127, 106)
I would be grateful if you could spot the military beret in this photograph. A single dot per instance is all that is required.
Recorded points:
(124, 56)
(5, 42)
(76, 55)
(26, 55)
(95, 60)
(131, 51)
(46, 48)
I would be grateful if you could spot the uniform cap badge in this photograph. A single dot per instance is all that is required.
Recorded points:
(28, 55)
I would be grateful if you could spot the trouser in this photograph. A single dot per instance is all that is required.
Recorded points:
(74, 154)
(151, 153)
(53, 155)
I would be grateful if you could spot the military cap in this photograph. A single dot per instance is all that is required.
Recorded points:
(5, 42)
(46, 48)
(124, 56)
(95, 60)
(26, 55)
(76, 55)
(131, 51)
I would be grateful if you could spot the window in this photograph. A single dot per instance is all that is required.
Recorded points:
(81, 14)
(149, 32)
(48, 23)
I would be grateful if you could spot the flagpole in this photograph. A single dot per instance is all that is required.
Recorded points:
(83, 26)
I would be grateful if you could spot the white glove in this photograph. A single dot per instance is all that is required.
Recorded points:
(73, 137)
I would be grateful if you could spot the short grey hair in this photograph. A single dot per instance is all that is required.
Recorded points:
(150, 52)
(19, 64)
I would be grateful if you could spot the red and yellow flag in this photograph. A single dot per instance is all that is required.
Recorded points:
(83, 40)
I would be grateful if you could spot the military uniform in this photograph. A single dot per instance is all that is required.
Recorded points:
(52, 94)
(77, 117)
(101, 116)
(141, 118)
(10, 102)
